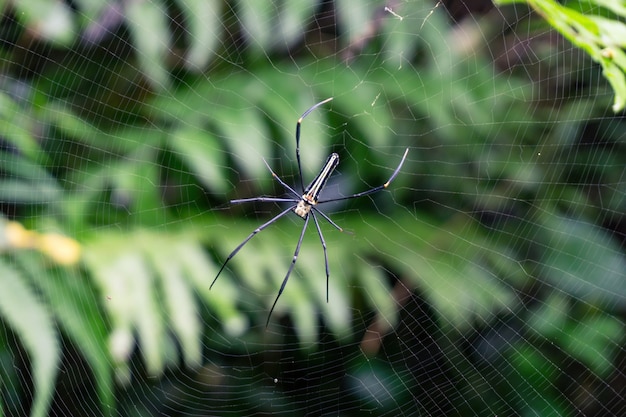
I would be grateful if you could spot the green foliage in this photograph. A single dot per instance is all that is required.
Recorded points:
(36, 332)
(604, 39)
(135, 147)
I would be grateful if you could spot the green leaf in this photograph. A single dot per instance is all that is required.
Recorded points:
(246, 136)
(135, 183)
(50, 20)
(26, 182)
(616, 6)
(16, 128)
(294, 18)
(180, 304)
(200, 271)
(600, 37)
(595, 340)
(204, 27)
(30, 320)
(204, 154)
(357, 21)
(60, 115)
(551, 316)
(149, 279)
(449, 263)
(128, 284)
(257, 18)
(373, 282)
(274, 25)
(149, 28)
(73, 302)
(533, 370)
(371, 120)
(581, 259)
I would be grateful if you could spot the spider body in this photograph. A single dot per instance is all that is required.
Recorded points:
(312, 192)
(304, 205)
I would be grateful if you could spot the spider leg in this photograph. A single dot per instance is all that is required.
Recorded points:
(280, 181)
(264, 199)
(373, 190)
(335, 225)
(395, 173)
(246, 240)
(271, 199)
(293, 263)
(319, 232)
(305, 114)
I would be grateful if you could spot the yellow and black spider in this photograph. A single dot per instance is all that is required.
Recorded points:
(305, 205)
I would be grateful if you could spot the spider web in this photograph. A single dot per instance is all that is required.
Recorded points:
(488, 279)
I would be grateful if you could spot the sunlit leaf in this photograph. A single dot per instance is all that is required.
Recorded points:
(599, 37)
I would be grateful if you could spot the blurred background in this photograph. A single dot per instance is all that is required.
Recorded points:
(489, 278)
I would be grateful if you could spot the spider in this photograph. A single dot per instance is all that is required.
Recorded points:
(305, 206)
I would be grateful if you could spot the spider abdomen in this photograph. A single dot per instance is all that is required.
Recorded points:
(312, 192)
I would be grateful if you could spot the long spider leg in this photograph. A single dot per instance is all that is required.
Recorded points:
(395, 173)
(280, 181)
(264, 199)
(305, 114)
(271, 199)
(293, 263)
(250, 236)
(375, 189)
(329, 220)
(319, 232)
